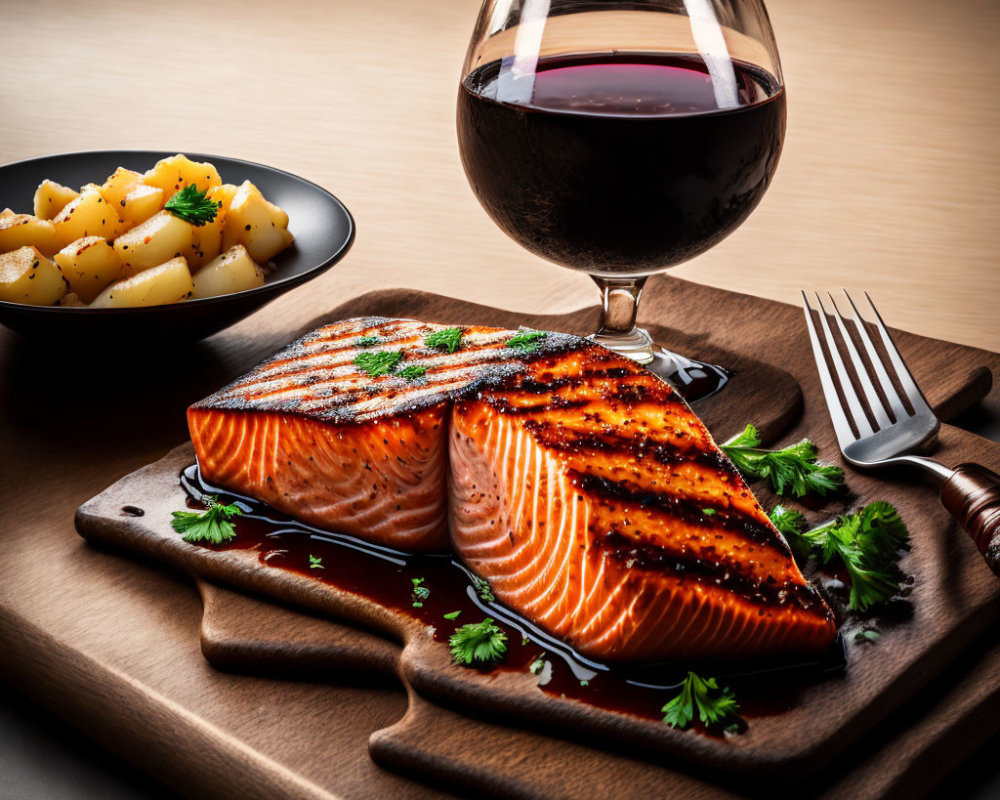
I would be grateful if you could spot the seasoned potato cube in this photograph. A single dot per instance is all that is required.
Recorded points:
(167, 283)
(255, 223)
(21, 230)
(224, 194)
(159, 239)
(88, 265)
(206, 241)
(140, 204)
(51, 198)
(231, 272)
(174, 173)
(119, 184)
(26, 276)
(88, 215)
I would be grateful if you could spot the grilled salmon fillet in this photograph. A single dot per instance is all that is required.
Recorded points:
(577, 483)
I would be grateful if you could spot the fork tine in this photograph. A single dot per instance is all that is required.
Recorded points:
(874, 401)
(913, 393)
(898, 409)
(843, 376)
(841, 425)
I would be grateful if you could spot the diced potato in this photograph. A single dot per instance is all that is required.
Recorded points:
(88, 215)
(51, 198)
(88, 265)
(159, 239)
(206, 241)
(167, 283)
(174, 173)
(27, 276)
(224, 194)
(140, 204)
(119, 184)
(21, 230)
(233, 271)
(260, 226)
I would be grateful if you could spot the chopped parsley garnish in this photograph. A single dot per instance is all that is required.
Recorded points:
(367, 341)
(316, 562)
(536, 666)
(791, 470)
(478, 642)
(451, 615)
(412, 372)
(787, 520)
(866, 635)
(483, 588)
(867, 543)
(378, 363)
(192, 205)
(211, 525)
(526, 341)
(708, 511)
(703, 695)
(585, 683)
(447, 339)
(420, 592)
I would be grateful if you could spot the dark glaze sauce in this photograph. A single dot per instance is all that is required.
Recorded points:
(386, 576)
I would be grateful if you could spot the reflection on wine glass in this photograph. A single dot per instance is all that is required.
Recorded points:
(621, 138)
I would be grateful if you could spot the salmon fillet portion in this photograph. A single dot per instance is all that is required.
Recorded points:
(598, 506)
(314, 435)
(579, 485)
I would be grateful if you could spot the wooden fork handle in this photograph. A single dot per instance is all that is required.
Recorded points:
(972, 496)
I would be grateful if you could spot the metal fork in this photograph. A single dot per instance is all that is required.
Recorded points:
(877, 429)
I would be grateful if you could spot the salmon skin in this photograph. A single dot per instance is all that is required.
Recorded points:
(578, 484)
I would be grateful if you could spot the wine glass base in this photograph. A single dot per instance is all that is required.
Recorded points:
(695, 380)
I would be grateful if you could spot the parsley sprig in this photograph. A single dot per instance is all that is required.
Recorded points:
(478, 642)
(526, 341)
(212, 525)
(483, 589)
(445, 339)
(192, 205)
(703, 695)
(380, 362)
(791, 470)
(420, 592)
(866, 543)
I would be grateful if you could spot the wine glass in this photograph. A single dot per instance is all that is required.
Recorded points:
(621, 138)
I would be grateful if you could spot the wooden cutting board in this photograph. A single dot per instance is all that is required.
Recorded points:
(904, 757)
(953, 598)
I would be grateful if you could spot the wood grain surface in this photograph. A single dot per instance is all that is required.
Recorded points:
(954, 594)
(888, 182)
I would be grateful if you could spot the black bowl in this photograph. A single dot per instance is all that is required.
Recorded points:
(323, 229)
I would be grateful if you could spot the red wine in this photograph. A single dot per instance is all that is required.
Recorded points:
(620, 163)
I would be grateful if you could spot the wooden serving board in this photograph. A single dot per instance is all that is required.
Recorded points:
(954, 595)
(902, 758)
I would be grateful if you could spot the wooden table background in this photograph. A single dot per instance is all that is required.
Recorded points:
(889, 182)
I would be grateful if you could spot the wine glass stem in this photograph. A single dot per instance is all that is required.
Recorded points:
(619, 306)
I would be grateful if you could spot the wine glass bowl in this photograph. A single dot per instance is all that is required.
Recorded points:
(622, 138)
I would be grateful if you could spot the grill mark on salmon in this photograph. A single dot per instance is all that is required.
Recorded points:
(571, 479)
(638, 446)
(724, 574)
(685, 508)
